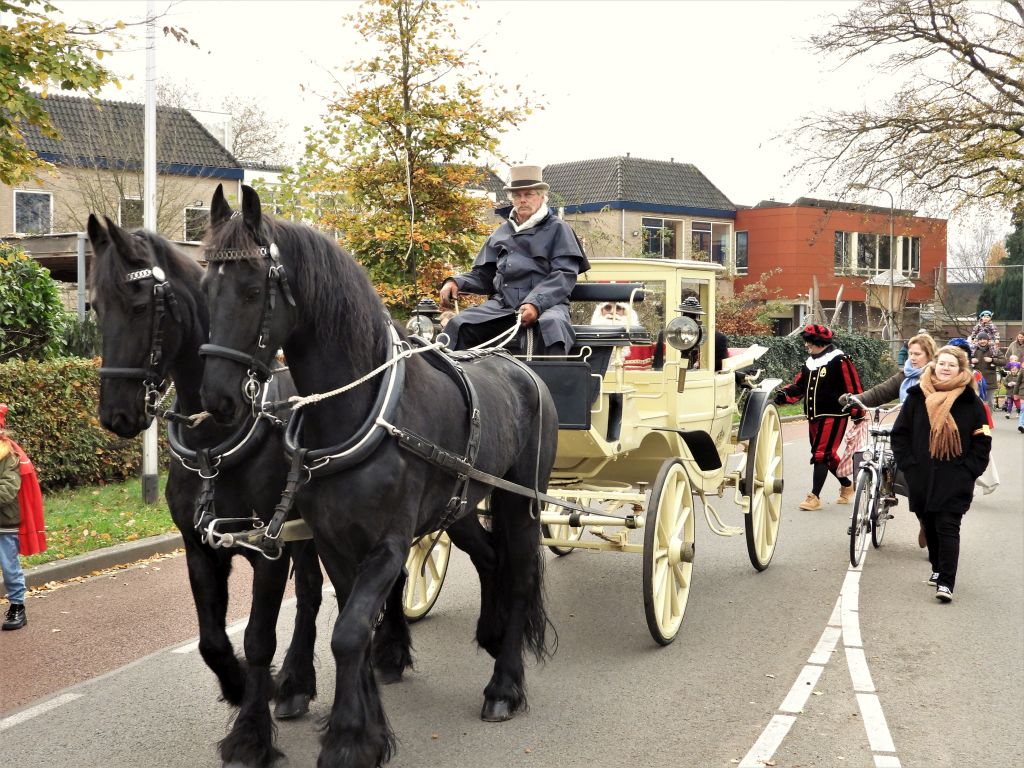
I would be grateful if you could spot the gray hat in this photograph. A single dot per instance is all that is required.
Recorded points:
(982, 336)
(526, 177)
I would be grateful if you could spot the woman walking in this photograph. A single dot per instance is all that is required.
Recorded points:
(941, 470)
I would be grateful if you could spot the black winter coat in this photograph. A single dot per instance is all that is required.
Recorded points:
(936, 484)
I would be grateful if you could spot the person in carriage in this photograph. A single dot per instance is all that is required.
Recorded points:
(528, 267)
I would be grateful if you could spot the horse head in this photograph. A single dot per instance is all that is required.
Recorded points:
(251, 306)
(144, 296)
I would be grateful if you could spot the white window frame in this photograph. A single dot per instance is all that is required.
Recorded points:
(736, 252)
(675, 226)
(184, 215)
(14, 210)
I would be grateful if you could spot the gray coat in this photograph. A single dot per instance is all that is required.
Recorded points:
(537, 266)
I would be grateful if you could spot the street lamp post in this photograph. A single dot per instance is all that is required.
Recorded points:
(892, 255)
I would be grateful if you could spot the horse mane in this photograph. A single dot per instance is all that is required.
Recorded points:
(337, 297)
(109, 273)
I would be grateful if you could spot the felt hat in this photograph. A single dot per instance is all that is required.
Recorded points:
(526, 177)
(816, 334)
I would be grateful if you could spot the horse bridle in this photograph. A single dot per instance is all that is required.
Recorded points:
(257, 371)
(162, 300)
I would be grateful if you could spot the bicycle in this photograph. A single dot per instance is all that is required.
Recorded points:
(875, 485)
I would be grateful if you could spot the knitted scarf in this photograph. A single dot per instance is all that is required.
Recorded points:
(910, 377)
(943, 437)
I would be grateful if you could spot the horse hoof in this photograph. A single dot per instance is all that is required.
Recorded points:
(496, 711)
(389, 677)
(292, 707)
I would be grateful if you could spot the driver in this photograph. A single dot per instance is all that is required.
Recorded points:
(528, 266)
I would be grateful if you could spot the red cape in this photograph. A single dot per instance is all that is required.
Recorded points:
(32, 533)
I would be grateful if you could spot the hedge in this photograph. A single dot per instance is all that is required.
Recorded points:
(54, 408)
(786, 354)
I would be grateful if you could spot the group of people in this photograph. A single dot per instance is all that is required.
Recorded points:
(940, 397)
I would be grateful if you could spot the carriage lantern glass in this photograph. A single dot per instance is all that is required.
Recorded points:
(682, 333)
(424, 320)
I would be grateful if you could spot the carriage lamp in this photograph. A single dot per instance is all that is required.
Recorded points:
(682, 333)
(424, 320)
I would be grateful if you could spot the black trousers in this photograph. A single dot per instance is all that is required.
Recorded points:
(942, 529)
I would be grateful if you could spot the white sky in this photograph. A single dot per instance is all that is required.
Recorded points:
(710, 82)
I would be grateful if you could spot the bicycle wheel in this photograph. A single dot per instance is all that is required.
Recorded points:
(879, 517)
(860, 520)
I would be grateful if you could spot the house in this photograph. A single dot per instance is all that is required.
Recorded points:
(634, 207)
(842, 245)
(98, 164)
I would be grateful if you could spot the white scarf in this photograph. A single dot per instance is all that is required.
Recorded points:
(530, 222)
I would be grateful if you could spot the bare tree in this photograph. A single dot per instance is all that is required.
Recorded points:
(955, 129)
(255, 138)
(973, 251)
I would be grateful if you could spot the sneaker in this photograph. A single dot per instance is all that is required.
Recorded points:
(933, 579)
(1020, 429)
(16, 618)
(811, 502)
(944, 593)
(845, 495)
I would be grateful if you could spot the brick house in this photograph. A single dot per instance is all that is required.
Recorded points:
(633, 207)
(98, 169)
(842, 244)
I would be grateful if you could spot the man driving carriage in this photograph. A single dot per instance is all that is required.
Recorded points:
(528, 266)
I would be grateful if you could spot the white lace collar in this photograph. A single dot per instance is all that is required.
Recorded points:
(813, 363)
(532, 221)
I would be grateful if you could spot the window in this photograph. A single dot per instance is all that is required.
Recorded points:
(720, 243)
(910, 255)
(196, 220)
(867, 253)
(843, 252)
(700, 241)
(33, 213)
(659, 237)
(741, 253)
(131, 213)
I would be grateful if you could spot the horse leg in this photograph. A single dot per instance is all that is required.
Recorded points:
(519, 586)
(469, 536)
(392, 642)
(208, 579)
(296, 682)
(358, 734)
(250, 742)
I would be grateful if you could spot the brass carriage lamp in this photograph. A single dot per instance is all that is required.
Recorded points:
(425, 320)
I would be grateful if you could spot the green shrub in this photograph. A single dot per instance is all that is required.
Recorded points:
(786, 354)
(82, 338)
(53, 415)
(31, 315)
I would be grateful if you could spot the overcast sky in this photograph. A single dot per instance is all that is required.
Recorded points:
(716, 83)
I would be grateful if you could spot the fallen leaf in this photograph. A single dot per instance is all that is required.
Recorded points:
(771, 676)
(435, 736)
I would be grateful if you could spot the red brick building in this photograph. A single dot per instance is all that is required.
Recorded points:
(842, 244)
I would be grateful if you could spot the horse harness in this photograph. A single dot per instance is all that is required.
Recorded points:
(163, 300)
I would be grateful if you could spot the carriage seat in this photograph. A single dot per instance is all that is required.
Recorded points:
(602, 339)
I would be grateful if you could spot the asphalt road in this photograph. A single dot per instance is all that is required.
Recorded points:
(769, 668)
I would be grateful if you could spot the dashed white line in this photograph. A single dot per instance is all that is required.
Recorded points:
(38, 709)
(844, 622)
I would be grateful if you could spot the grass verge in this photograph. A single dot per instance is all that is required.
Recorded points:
(80, 520)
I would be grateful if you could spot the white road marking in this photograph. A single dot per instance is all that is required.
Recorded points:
(769, 741)
(38, 709)
(843, 622)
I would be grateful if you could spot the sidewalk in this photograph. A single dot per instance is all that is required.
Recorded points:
(99, 559)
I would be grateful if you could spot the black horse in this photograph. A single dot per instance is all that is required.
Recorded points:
(273, 283)
(153, 319)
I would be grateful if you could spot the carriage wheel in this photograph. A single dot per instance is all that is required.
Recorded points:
(565, 532)
(423, 585)
(763, 484)
(668, 551)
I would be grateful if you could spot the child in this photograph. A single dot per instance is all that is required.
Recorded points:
(1012, 383)
(10, 520)
(984, 325)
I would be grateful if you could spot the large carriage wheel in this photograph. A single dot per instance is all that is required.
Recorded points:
(763, 484)
(668, 551)
(423, 585)
(565, 532)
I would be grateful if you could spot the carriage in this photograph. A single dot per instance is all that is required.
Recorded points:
(646, 429)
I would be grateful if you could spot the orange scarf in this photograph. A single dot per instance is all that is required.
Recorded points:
(943, 437)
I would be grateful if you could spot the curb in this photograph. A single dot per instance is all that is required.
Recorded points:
(97, 560)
